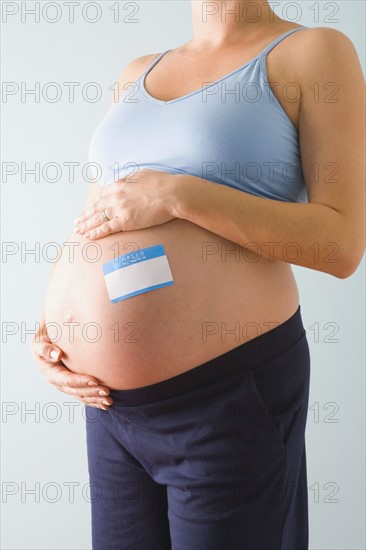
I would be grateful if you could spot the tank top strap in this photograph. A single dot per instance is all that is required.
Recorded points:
(268, 48)
(153, 63)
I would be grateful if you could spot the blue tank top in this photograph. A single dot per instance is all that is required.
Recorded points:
(233, 132)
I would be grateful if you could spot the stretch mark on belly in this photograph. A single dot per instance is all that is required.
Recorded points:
(137, 272)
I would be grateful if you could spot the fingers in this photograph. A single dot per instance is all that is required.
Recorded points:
(51, 353)
(96, 394)
(43, 348)
(100, 231)
(77, 386)
(95, 220)
(86, 214)
(86, 396)
(108, 228)
(92, 223)
(74, 384)
(83, 387)
(96, 406)
(62, 376)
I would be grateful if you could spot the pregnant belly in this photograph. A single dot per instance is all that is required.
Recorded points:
(222, 296)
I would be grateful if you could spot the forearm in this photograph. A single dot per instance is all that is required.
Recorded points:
(305, 234)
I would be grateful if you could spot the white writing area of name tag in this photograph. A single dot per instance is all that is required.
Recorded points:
(137, 272)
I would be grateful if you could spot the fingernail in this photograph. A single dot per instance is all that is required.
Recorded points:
(102, 392)
(55, 354)
(92, 384)
(105, 403)
(77, 228)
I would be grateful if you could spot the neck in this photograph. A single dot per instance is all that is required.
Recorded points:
(227, 22)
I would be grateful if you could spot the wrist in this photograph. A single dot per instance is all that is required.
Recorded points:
(176, 189)
(185, 195)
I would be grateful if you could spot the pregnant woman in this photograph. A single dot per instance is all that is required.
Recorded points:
(174, 309)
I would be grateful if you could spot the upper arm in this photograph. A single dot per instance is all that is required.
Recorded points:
(331, 129)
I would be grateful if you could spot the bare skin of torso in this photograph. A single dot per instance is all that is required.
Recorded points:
(219, 300)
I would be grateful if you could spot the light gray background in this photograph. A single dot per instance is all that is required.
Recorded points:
(45, 451)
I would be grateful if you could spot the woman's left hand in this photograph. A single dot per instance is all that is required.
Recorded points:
(138, 201)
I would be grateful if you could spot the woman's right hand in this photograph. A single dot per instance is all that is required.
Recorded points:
(82, 387)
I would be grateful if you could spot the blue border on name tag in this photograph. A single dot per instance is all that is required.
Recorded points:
(135, 257)
(141, 291)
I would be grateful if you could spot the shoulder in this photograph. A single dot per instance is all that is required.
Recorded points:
(133, 70)
(324, 33)
(323, 52)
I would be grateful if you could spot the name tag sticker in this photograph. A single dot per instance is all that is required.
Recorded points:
(137, 272)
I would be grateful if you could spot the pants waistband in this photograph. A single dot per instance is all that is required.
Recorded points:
(254, 352)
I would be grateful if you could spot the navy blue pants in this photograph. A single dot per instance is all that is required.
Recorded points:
(210, 459)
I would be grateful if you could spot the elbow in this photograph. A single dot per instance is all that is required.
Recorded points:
(344, 273)
(346, 269)
(353, 249)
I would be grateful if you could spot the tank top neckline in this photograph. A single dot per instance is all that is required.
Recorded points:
(231, 73)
